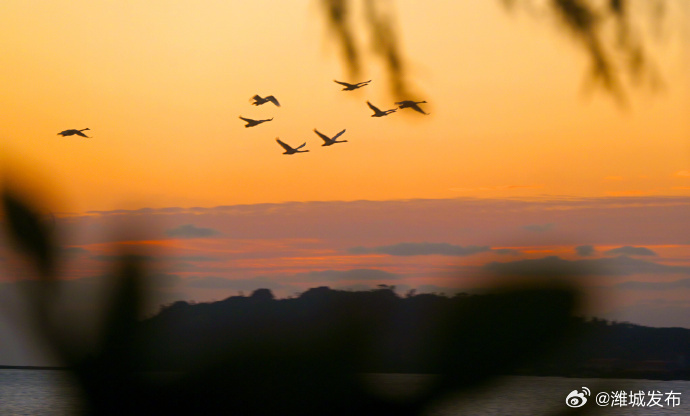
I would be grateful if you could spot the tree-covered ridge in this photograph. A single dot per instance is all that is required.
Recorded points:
(523, 331)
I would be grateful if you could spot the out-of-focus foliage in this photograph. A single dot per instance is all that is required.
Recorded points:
(616, 36)
(384, 40)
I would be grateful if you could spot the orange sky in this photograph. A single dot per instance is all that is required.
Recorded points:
(516, 154)
(161, 86)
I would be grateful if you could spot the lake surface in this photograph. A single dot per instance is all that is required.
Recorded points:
(50, 392)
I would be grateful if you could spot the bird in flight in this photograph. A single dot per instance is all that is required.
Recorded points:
(252, 123)
(72, 132)
(379, 113)
(258, 100)
(289, 150)
(328, 141)
(350, 87)
(412, 104)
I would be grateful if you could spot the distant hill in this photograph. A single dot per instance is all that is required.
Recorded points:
(528, 331)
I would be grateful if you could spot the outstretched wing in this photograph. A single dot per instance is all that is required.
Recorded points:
(273, 100)
(248, 120)
(417, 108)
(343, 83)
(301, 146)
(323, 136)
(361, 84)
(78, 133)
(373, 107)
(338, 135)
(285, 146)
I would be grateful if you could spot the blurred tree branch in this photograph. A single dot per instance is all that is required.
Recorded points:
(608, 31)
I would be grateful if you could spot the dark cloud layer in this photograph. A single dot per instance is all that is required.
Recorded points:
(631, 251)
(216, 282)
(585, 250)
(554, 266)
(341, 275)
(191, 231)
(421, 249)
(635, 285)
(538, 228)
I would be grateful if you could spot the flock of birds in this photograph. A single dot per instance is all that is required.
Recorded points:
(289, 150)
(328, 141)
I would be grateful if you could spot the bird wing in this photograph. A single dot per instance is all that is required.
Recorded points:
(338, 135)
(273, 100)
(343, 83)
(417, 108)
(301, 146)
(323, 136)
(64, 132)
(80, 134)
(257, 97)
(373, 107)
(285, 146)
(248, 120)
(268, 119)
(363, 83)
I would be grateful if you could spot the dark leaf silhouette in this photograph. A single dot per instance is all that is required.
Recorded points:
(29, 231)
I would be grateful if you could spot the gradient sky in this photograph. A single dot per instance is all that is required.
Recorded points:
(517, 161)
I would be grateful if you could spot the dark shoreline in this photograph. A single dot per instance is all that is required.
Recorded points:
(33, 367)
(615, 375)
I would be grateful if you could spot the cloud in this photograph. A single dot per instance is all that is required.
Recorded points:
(194, 258)
(636, 285)
(585, 250)
(74, 251)
(191, 231)
(553, 266)
(339, 275)
(421, 249)
(508, 251)
(631, 251)
(216, 282)
(115, 257)
(538, 228)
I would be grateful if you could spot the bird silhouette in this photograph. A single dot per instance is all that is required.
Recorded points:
(379, 113)
(252, 123)
(259, 101)
(72, 132)
(328, 141)
(289, 150)
(412, 104)
(350, 87)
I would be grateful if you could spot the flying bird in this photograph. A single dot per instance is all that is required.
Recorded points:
(328, 141)
(379, 113)
(412, 104)
(72, 132)
(350, 87)
(258, 100)
(252, 123)
(289, 150)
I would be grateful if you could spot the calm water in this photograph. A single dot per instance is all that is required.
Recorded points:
(46, 392)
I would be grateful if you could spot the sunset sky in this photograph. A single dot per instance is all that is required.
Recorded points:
(519, 163)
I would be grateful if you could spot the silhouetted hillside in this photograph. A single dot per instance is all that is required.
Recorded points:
(379, 331)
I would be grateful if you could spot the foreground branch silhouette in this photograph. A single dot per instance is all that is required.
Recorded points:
(281, 357)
